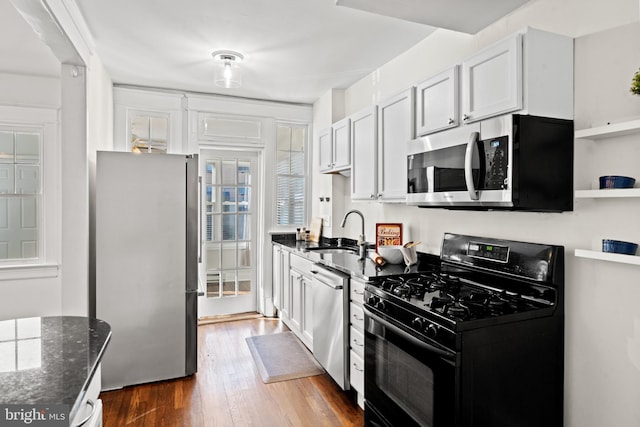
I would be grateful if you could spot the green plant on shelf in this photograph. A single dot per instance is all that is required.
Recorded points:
(635, 83)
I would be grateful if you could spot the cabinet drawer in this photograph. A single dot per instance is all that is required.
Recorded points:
(303, 265)
(356, 316)
(356, 341)
(356, 372)
(356, 292)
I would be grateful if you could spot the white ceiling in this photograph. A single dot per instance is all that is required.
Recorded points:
(21, 50)
(295, 50)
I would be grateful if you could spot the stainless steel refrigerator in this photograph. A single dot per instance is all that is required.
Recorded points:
(146, 265)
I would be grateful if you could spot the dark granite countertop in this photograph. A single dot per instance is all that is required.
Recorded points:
(50, 360)
(350, 263)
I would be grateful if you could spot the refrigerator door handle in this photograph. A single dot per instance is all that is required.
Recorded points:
(200, 222)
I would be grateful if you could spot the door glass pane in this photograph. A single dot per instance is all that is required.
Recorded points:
(244, 198)
(27, 147)
(229, 284)
(244, 255)
(213, 256)
(229, 255)
(228, 172)
(244, 227)
(228, 199)
(213, 284)
(228, 227)
(244, 173)
(6, 147)
(244, 282)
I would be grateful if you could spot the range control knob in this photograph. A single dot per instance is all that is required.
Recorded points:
(417, 323)
(372, 300)
(432, 330)
(380, 305)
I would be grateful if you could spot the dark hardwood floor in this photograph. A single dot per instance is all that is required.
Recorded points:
(228, 391)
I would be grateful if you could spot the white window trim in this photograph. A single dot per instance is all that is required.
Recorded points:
(275, 227)
(48, 263)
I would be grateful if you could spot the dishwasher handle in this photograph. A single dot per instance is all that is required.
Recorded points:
(328, 278)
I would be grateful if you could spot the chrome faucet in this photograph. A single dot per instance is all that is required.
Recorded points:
(362, 244)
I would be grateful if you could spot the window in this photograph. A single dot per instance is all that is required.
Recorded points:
(149, 132)
(20, 193)
(290, 174)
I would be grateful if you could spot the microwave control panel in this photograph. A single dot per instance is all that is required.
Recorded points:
(496, 151)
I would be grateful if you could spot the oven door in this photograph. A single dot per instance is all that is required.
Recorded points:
(408, 382)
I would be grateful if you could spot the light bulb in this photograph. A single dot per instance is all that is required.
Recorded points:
(227, 74)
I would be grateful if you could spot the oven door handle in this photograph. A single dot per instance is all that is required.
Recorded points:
(415, 341)
(468, 165)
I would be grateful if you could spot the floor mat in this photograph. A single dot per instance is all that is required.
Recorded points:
(281, 357)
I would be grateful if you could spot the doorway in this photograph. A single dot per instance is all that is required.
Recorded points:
(229, 232)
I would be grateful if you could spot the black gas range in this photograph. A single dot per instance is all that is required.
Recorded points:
(475, 341)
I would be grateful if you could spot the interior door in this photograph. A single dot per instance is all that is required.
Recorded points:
(229, 224)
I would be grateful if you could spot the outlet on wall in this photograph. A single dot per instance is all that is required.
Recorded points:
(326, 220)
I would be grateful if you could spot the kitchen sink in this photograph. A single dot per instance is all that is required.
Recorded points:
(333, 250)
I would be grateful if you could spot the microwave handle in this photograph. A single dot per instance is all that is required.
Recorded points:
(468, 165)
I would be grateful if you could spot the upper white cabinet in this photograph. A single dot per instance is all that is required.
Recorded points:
(396, 127)
(530, 72)
(437, 102)
(364, 171)
(325, 149)
(335, 147)
(492, 80)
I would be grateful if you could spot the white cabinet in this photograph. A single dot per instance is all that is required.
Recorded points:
(300, 319)
(437, 102)
(530, 72)
(296, 301)
(395, 129)
(356, 337)
(364, 164)
(325, 149)
(335, 147)
(281, 288)
(492, 80)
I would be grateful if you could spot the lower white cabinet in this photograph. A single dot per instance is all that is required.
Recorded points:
(300, 319)
(356, 337)
(281, 288)
(356, 372)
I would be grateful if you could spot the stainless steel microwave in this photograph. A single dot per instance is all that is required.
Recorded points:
(516, 162)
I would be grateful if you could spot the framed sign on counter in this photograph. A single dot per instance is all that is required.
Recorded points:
(388, 234)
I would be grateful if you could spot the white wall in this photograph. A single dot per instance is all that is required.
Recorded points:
(602, 344)
(29, 296)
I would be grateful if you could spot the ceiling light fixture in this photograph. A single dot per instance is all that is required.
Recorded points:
(227, 71)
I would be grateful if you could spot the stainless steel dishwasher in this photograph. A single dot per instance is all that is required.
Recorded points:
(330, 312)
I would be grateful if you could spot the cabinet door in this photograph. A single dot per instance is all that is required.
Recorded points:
(364, 157)
(341, 145)
(437, 102)
(295, 315)
(492, 80)
(325, 151)
(276, 274)
(307, 309)
(285, 286)
(395, 130)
